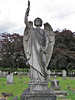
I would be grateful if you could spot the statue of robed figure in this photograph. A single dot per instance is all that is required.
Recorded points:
(38, 46)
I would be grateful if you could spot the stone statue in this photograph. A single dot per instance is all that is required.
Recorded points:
(38, 46)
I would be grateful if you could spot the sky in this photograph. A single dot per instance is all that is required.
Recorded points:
(60, 14)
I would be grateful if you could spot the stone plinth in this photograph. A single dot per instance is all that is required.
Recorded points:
(38, 87)
(38, 91)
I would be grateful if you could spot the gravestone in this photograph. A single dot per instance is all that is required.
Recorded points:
(10, 79)
(4, 74)
(64, 74)
(55, 85)
(0, 73)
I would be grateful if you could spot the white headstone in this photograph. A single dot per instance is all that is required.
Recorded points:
(10, 79)
(0, 73)
(64, 75)
(4, 74)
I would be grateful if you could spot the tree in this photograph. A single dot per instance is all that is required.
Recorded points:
(12, 51)
(64, 51)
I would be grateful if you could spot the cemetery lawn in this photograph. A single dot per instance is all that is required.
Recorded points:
(20, 83)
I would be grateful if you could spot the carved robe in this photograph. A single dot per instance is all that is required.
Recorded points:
(37, 44)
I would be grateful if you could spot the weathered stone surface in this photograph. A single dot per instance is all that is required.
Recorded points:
(38, 46)
(61, 96)
(9, 79)
(61, 93)
(64, 74)
(38, 87)
(4, 74)
(55, 84)
(26, 95)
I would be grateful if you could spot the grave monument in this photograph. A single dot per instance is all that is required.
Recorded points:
(10, 79)
(64, 74)
(38, 46)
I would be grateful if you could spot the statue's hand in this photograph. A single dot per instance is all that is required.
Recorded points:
(28, 9)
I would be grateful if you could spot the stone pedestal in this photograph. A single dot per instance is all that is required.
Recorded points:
(38, 91)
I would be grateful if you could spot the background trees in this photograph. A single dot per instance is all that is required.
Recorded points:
(12, 52)
(64, 51)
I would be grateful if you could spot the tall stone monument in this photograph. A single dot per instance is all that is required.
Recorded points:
(38, 46)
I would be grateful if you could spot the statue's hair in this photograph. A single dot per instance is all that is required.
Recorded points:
(48, 25)
(40, 21)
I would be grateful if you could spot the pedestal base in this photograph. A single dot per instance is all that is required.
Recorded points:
(38, 91)
(27, 95)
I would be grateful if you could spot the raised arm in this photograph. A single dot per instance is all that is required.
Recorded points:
(27, 14)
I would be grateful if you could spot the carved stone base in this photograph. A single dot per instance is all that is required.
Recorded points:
(38, 87)
(26, 95)
(38, 91)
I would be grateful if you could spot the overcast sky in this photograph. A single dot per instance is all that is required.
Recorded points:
(59, 13)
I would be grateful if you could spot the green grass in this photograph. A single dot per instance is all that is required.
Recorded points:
(17, 87)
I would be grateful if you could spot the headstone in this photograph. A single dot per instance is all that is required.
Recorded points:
(72, 78)
(0, 73)
(64, 74)
(55, 84)
(18, 73)
(4, 74)
(10, 79)
(11, 74)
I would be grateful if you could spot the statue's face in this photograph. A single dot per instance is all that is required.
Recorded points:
(38, 22)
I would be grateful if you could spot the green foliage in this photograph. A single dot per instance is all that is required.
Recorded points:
(64, 51)
(4, 69)
(7, 69)
(23, 70)
(12, 51)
